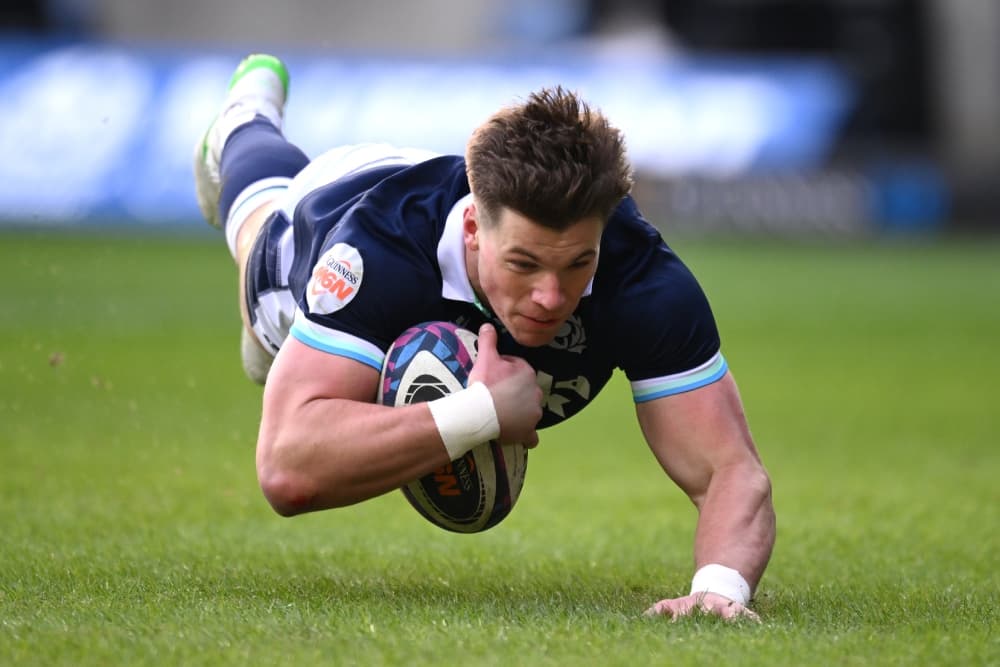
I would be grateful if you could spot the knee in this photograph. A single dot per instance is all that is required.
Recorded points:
(256, 361)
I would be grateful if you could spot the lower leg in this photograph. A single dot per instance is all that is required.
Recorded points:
(256, 166)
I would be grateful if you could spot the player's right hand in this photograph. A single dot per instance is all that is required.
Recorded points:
(517, 397)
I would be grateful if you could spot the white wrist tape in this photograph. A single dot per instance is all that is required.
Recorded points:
(725, 581)
(465, 419)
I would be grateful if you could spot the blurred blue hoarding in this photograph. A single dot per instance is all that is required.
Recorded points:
(105, 132)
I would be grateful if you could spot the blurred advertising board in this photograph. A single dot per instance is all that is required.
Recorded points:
(104, 132)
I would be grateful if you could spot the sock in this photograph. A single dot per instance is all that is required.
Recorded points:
(255, 151)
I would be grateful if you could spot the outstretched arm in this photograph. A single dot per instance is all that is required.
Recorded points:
(702, 441)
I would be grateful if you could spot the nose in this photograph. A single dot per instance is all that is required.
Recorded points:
(548, 292)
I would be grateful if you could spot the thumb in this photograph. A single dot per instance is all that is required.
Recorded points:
(487, 341)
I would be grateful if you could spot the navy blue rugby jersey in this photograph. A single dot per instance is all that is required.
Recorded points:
(380, 251)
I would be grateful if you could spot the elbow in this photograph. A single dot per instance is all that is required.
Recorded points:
(289, 491)
(749, 482)
(760, 483)
(287, 494)
(756, 485)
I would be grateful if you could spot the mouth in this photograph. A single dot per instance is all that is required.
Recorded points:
(541, 323)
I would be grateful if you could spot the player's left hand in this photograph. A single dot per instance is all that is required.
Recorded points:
(709, 603)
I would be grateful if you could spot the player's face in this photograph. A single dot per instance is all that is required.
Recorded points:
(530, 276)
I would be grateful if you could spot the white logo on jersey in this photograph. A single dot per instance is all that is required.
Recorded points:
(571, 336)
(336, 279)
(554, 402)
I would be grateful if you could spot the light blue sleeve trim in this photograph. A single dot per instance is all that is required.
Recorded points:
(711, 371)
(336, 342)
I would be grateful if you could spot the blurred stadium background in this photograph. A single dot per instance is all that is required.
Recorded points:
(788, 117)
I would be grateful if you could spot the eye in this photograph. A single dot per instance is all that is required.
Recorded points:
(521, 265)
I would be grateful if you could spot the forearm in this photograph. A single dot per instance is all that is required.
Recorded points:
(736, 523)
(336, 452)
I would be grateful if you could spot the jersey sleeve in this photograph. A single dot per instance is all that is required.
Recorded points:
(666, 335)
(364, 289)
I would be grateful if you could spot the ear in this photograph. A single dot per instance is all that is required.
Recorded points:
(470, 227)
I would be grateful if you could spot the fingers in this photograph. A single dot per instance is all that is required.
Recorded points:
(513, 385)
(688, 605)
(673, 608)
(739, 611)
(729, 610)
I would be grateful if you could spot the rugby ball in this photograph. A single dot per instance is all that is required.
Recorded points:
(478, 490)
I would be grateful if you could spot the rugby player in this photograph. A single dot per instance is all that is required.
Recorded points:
(530, 239)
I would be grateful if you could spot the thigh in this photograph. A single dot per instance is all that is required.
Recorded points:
(251, 250)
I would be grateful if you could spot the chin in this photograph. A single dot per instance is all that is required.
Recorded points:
(531, 338)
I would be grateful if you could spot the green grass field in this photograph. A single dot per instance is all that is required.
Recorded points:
(133, 531)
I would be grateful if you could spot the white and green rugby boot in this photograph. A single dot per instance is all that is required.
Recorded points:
(258, 86)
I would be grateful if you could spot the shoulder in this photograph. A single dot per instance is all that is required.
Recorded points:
(639, 268)
(656, 313)
(373, 270)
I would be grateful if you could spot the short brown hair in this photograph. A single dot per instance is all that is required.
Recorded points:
(551, 159)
